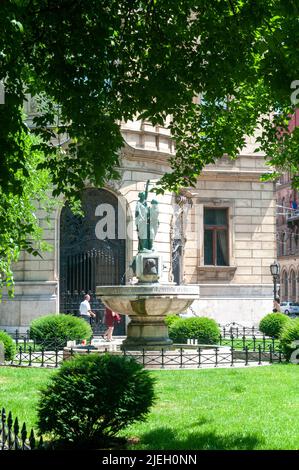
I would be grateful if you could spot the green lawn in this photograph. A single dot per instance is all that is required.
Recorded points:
(253, 408)
(251, 344)
(19, 391)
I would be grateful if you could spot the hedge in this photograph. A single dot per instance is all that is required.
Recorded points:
(9, 346)
(273, 324)
(204, 329)
(93, 397)
(56, 330)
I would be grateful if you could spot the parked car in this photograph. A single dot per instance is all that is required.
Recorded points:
(290, 308)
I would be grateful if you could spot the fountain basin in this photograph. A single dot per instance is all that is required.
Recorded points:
(147, 305)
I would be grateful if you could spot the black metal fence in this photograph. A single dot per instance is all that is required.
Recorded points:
(202, 357)
(238, 331)
(180, 356)
(253, 343)
(242, 344)
(227, 331)
(46, 357)
(29, 346)
(12, 438)
(233, 336)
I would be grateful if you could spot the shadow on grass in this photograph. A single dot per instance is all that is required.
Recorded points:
(165, 439)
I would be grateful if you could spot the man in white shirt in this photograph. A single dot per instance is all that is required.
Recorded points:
(85, 310)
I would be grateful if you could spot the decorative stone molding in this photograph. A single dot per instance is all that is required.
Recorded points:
(206, 273)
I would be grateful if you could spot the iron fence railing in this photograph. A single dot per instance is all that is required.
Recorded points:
(231, 329)
(43, 358)
(240, 342)
(178, 357)
(197, 357)
(230, 332)
(239, 330)
(14, 438)
(236, 342)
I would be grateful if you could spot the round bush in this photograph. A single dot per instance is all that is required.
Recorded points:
(56, 330)
(289, 335)
(170, 319)
(9, 346)
(273, 323)
(204, 329)
(93, 397)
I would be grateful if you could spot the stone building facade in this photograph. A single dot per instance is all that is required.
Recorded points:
(288, 238)
(219, 234)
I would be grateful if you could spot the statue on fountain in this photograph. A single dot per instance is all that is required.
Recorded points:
(147, 221)
(148, 300)
(147, 264)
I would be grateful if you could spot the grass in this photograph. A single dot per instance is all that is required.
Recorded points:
(254, 408)
(19, 391)
(251, 344)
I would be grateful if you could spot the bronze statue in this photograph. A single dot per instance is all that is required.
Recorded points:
(146, 219)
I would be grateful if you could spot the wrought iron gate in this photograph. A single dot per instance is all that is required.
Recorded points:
(87, 261)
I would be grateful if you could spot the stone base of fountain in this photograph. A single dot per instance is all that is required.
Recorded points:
(147, 305)
(147, 332)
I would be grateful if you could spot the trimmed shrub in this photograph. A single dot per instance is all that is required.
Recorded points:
(93, 397)
(9, 346)
(273, 323)
(170, 319)
(56, 330)
(289, 335)
(204, 329)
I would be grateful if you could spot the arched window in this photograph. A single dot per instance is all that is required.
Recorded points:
(293, 285)
(285, 286)
(283, 203)
(291, 244)
(283, 244)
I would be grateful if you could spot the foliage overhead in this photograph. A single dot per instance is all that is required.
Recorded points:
(104, 61)
(19, 224)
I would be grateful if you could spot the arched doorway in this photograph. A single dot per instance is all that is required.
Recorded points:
(91, 254)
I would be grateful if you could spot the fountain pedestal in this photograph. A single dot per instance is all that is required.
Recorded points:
(147, 305)
(150, 332)
(147, 302)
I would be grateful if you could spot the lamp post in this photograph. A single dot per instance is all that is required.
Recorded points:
(275, 272)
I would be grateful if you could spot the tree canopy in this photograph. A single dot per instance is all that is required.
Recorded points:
(97, 62)
(103, 61)
(19, 225)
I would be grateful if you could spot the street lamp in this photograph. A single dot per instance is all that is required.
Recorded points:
(275, 272)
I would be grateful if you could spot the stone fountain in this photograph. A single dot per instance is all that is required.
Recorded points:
(149, 300)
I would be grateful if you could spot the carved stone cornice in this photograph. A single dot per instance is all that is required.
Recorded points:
(213, 273)
(145, 155)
